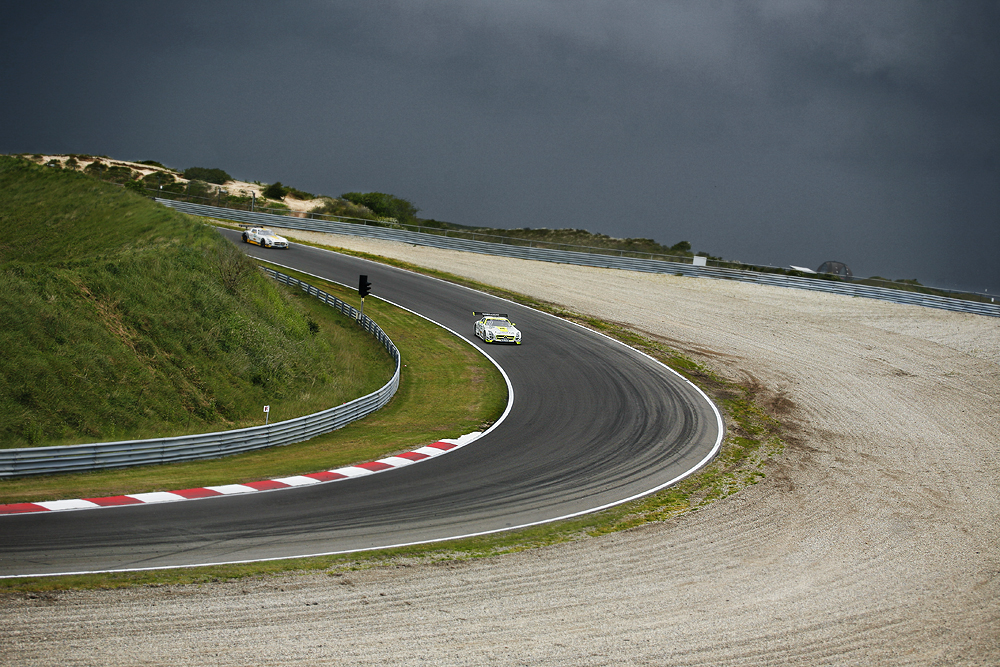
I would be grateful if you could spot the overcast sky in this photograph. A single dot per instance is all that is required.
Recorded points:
(770, 131)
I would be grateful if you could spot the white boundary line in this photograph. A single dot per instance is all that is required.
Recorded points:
(704, 461)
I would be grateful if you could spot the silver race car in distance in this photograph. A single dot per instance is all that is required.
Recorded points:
(265, 238)
(496, 328)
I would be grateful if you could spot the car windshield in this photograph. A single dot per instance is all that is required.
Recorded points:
(497, 323)
(266, 232)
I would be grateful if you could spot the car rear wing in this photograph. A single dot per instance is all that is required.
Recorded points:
(479, 314)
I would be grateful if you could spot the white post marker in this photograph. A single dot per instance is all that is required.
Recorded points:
(267, 414)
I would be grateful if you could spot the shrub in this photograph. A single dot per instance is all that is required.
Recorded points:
(299, 194)
(120, 174)
(199, 189)
(115, 174)
(274, 206)
(345, 209)
(158, 178)
(216, 176)
(96, 168)
(234, 267)
(276, 191)
(384, 205)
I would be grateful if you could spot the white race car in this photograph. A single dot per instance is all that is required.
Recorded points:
(265, 238)
(496, 328)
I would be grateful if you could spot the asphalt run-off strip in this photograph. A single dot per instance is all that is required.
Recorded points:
(339, 474)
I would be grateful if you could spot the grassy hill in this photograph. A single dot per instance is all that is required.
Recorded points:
(123, 319)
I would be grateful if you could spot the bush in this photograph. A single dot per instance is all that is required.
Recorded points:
(384, 205)
(120, 174)
(300, 194)
(216, 176)
(275, 191)
(199, 189)
(158, 178)
(234, 267)
(115, 174)
(345, 209)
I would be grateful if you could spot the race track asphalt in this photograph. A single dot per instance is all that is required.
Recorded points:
(592, 423)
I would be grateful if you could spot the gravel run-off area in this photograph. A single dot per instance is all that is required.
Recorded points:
(873, 539)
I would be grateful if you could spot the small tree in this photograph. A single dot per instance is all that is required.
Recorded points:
(96, 168)
(216, 176)
(275, 191)
(384, 205)
(344, 208)
(158, 178)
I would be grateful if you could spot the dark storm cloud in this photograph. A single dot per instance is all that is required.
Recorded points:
(774, 132)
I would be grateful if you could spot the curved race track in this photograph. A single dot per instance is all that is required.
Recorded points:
(592, 423)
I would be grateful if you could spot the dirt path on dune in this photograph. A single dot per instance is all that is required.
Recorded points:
(873, 540)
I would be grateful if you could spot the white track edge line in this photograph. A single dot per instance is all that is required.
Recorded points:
(704, 461)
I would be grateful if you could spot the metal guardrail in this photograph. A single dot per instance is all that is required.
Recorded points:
(102, 455)
(589, 259)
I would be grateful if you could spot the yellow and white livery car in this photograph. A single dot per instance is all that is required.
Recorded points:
(496, 328)
(265, 238)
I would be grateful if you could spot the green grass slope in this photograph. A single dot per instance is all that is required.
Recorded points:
(122, 319)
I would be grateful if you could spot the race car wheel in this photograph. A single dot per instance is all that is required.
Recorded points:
(245, 237)
(489, 337)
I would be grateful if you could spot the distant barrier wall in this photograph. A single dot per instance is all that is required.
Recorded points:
(588, 258)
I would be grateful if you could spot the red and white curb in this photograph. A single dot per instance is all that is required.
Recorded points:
(359, 470)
